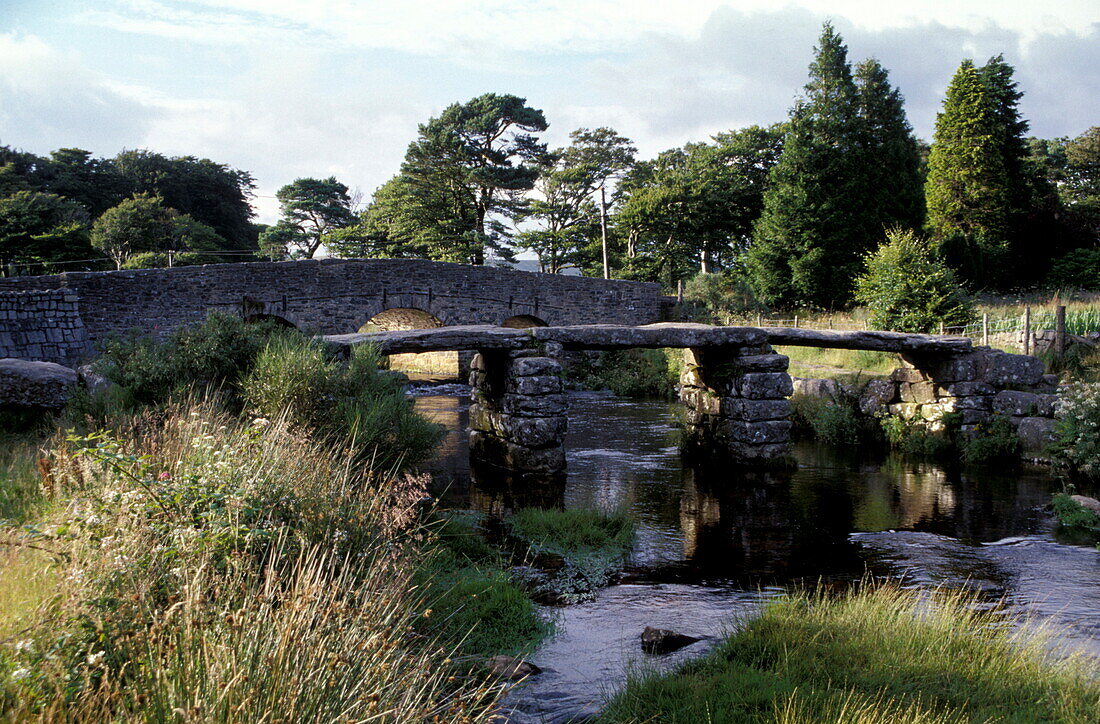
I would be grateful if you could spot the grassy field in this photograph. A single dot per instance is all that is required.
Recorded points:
(877, 655)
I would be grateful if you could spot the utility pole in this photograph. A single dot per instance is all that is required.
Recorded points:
(603, 231)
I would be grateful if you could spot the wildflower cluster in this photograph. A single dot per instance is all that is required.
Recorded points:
(1078, 427)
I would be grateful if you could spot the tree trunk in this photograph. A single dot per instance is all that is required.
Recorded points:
(704, 262)
(603, 232)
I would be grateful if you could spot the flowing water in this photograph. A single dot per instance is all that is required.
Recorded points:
(712, 540)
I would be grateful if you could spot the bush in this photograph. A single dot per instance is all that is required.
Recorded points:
(159, 260)
(994, 441)
(1078, 427)
(721, 295)
(911, 438)
(1079, 269)
(1073, 516)
(212, 355)
(908, 290)
(831, 421)
(353, 404)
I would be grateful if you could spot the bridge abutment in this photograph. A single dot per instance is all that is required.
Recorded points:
(736, 399)
(518, 409)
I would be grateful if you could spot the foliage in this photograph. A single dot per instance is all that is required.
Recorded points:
(693, 207)
(832, 420)
(160, 260)
(213, 355)
(1073, 516)
(993, 441)
(909, 290)
(252, 565)
(1078, 427)
(823, 209)
(352, 404)
(42, 227)
(913, 438)
(722, 295)
(636, 373)
(871, 654)
(145, 224)
(21, 493)
(311, 209)
(1078, 269)
(481, 154)
(592, 546)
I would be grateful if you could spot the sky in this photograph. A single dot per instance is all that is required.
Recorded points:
(293, 88)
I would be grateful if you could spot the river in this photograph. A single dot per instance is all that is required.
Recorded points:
(713, 541)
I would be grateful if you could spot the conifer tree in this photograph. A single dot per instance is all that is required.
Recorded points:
(850, 169)
(968, 190)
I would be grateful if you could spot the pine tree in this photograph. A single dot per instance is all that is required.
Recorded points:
(815, 227)
(895, 184)
(968, 189)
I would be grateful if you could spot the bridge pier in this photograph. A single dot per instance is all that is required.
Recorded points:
(517, 415)
(737, 402)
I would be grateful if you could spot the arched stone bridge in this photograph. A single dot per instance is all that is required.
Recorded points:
(734, 384)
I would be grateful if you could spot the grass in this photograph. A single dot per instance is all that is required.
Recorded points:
(20, 482)
(587, 547)
(838, 363)
(876, 654)
(220, 571)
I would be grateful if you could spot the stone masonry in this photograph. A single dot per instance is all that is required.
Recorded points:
(326, 296)
(42, 325)
(737, 399)
(518, 409)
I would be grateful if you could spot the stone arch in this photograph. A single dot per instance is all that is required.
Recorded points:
(523, 321)
(396, 319)
(278, 319)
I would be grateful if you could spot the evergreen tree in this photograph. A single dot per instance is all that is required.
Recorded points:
(895, 182)
(810, 238)
(968, 190)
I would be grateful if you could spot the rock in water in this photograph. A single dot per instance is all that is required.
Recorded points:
(508, 667)
(662, 641)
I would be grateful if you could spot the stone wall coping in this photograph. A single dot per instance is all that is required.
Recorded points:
(869, 340)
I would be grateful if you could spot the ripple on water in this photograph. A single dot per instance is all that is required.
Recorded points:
(599, 642)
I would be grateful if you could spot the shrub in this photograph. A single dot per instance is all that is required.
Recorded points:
(721, 295)
(1079, 269)
(159, 260)
(1077, 428)
(212, 355)
(993, 441)
(1073, 516)
(913, 438)
(352, 404)
(634, 373)
(825, 419)
(907, 289)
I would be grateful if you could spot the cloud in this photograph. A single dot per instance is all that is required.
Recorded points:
(46, 95)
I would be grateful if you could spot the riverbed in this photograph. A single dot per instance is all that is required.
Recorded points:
(713, 541)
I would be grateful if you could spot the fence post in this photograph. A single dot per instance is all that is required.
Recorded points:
(942, 330)
(1027, 330)
(985, 329)
(796, 321)
(1060, 331)
(759, 319)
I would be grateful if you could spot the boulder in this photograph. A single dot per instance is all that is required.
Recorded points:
(508, 667)
(811, 387)
(1086, 502)
(94, 382)
(663, 641)
(1016, 403)
(44, 385)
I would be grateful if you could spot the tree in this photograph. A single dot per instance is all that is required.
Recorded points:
(480, 156)
(92, 182)
(144, 224)
(815, 225)
(968, 189)
(909, 290)
(568, 180)
(311, 208)
(37, 227)
(1080, 189)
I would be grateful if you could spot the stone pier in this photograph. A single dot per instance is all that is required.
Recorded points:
(517, 411)
(736, 399)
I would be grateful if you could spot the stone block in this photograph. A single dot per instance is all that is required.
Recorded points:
(921, 392)
(533, 405)
(768, 432)
(904, 410)
(749, 453)
(501, 453)
(534, 366)
(1013, 402)
(908, 374)
(877, 395)
(756, 410)
(978, 402)
(813, 387)
(763, 362)
(36, 384)
(1036, 435)
(964, 389)
(1006, 370)
(538, 385)
(692, 377)
(701, 400)
(766, 385)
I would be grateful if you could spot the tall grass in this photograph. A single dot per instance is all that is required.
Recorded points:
(217, 571)
(878, 654)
